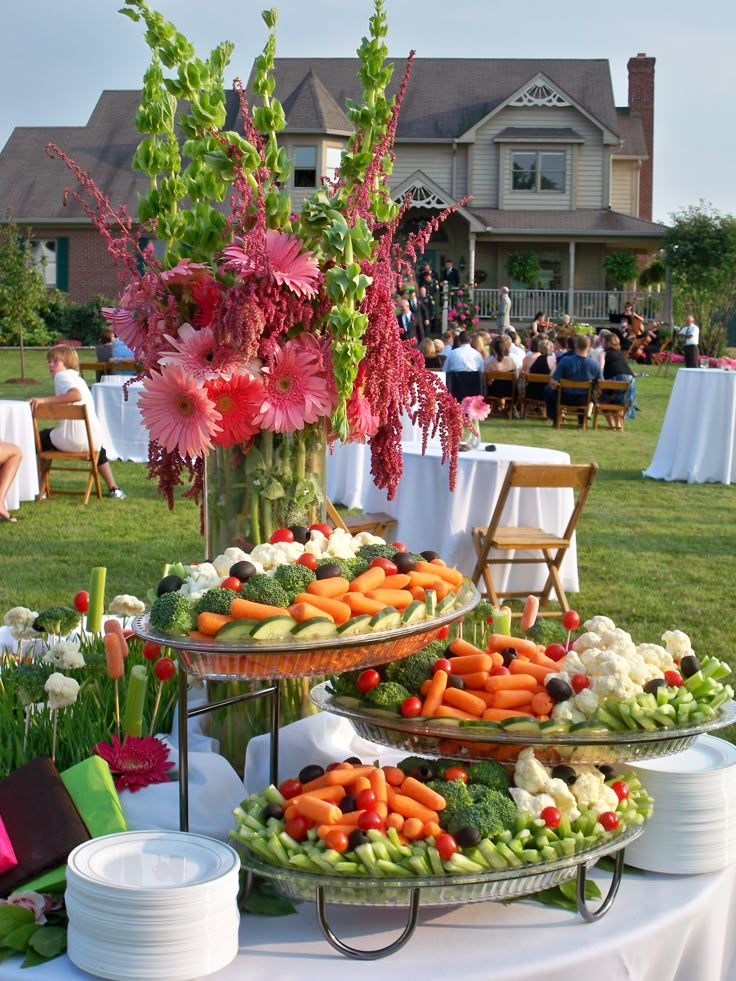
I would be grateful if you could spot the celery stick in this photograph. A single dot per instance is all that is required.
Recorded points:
(96, 599)
(135, 698)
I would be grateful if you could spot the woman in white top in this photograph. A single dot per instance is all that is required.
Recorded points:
(70, 435)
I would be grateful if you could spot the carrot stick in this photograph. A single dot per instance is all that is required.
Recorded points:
(497, 642)
(398, 581)
(425, 579)
(452, 576)
(448, 712)
(423, 794)
(359, 603)
(542, 704)
(529, 616)
(370, 579)
(512, 699)
(418, 593)
(339, 612)
(378, 785)
(398, 598)
(394, 776)
(498, 715)
(511, 682)
(306, 611)
(242, 609)
(409, 808)
(347, 777)
(320, 811)
(471, 663)
(541, 658)
(462, 648)
(433, 698)
(537, 671)
(331, 587)
(210, 623)
(475, 679)
(460, 699)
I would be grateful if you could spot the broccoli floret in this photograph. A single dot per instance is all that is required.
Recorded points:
(57, 620)
(293, 579)
(215, 600)
(261, 588)
(493, 813)
(479, 613)
(387, 694)
(546, 630)
(352, 568)
(172, 613)
(375, 551)
(344, 683)
(457, 796)
(412, 671)
(411, 763)
(489, 773)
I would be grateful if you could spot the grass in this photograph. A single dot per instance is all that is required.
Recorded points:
(652, 555)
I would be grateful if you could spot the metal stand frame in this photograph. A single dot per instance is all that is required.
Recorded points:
(588, 914)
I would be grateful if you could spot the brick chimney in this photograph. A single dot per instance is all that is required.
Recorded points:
(641, 100)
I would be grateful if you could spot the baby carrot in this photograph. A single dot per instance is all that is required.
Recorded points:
(542, 704)
(331, 587)
(511, 682)
(425, 579)
(320, 811)
(210, 623)
(475, 679)
(398, 598)
(410, 808)
(448, 712)
(242, 609)
(370, 579)
(114, 656)
(498, 715)
(541, 658)
(434, 696)
(460, 699)
(471, 663)
(537, 671)
(306, 611)
(113, 627)
(413, 828)
(522, 646)
(315, 784)
(452, 576)
(462, 648)
(528, 617)
(431, 829)
(442, 588)
(359, 603)
(339, 612)
(398, 581)
(394, 776)
(324, 829)
(486, 696)
(425, 795)
(360, 783)
(377, 780)
(512, 699)
(418, 593)
(395, 820)
(333, 793)
(347, 777)
(424, 687)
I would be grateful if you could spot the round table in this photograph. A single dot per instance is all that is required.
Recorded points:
(123, 434)
(16, 426)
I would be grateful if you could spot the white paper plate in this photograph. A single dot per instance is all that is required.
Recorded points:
(707, 755)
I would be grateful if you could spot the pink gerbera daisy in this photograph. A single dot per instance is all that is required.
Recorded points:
(197, 354)
(185, 271)
(178, 413)
(238, 400)
(135, 762)
(362, 420)
(299, 271)
(293, 388)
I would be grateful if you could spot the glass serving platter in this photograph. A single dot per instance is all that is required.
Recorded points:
(256, 660)
(434, 890)
(452, 738)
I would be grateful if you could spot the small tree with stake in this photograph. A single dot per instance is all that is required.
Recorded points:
(22, 294)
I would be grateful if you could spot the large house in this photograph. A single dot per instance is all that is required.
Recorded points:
(544, 159)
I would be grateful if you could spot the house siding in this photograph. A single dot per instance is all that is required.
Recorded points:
(89, 268)
(625, 186)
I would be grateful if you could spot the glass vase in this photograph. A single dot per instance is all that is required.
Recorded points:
(276, 480)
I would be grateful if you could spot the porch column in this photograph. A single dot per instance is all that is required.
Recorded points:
(571, 280)
(471, 260)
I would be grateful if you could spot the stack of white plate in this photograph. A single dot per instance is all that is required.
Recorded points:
(151, 905)
(693, 828)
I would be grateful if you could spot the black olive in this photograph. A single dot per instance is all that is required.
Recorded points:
(272, 811)
(310, 772)
(467, 837)
(455, 681)
(508, 654)
(242, 570)
(564, 772)
(328, 571)
(347, 804)
(651, 686)
(448, 652)
(355, 760)
(300, 533)
(428, 555)
(607, 770)
(689, 666)
(558, 689)
(423, 773)
(169, 584)
(356, 838)
(405, 562)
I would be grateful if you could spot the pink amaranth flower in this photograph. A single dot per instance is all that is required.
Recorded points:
(178, 412)
(238, 400)
(135, 762)
(290, 267)
(294, 390)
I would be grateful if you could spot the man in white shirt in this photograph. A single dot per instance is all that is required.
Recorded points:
(464, 357)
(691, 334)
(516, 351)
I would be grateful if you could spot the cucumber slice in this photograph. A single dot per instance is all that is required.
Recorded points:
(315, 628)
(235, 631)
(414, 612)
(466, 591)
(273, 628)
(593, 727)
(446, 603)
(554, 727)
(430, 600)
(525, 723)
(355, 625)
(386, 619)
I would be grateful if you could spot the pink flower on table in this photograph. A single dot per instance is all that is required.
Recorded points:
(475, 408)
(136, 763)
(178, 412)
(290, 267)
(238, 400)
(30, 900)
(294, 390)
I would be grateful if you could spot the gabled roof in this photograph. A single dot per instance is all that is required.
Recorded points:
(581, 222)
(631, 131)
(310, 108)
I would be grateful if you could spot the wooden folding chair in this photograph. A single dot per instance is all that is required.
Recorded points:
(529, 401)
(577, 408)
(662, 356)
(377, 522)
(67, 461)
(551, 548)
(605, 400)
(501, 391)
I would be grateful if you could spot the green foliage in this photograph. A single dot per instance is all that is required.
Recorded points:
(67, 320)
(621, 267)
(22, 290)
(701, 250)
(524, 267)
(654, 274)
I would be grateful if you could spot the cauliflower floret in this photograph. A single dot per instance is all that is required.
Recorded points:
(529, 803)
(566, 712)
(529, 774)
(317, 544)
(223, 563)
(266, 555)
(564, 800)
(571, 664)
(599, 623)
(365, 538)
(199, 579)
(587, 788)
(288, 552)
(341, 545)
(616, 640)
(677, 643)
(657, 656)
(586, 702)
(586, 641)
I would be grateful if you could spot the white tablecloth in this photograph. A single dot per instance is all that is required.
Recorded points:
(123, 434)
(16, 426)
(430, 517)
(697, 442)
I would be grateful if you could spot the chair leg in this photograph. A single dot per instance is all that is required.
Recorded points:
(554, 583)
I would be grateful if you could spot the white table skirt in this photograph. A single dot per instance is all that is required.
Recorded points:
(123, 434)
(431, 517)
(697, 442)
(16, 426)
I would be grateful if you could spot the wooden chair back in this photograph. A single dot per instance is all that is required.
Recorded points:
(550, 548)
(574, 407)
(109, 367)
(83, 461)
(377, 522)
(501, 391)
(607, 402)
(532, 400)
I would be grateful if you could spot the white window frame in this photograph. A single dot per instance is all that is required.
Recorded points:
(539, 172)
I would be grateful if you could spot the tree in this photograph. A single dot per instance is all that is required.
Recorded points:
(523, 267)
(621, 268)
(701, 251)
(22, 292)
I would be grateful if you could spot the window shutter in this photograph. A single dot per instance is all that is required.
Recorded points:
(62, 264)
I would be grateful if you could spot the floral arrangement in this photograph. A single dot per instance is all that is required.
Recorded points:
(32, 924)
(474, 409)
(464, 313)
(259, 319)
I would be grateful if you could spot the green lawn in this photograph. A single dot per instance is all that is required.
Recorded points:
(653, 556)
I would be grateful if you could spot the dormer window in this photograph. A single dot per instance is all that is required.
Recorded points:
(305, 166)
(537, 171)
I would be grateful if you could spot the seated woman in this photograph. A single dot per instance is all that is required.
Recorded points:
(432, 361)
(616, 368)
(540, 324)
(500, 361)
(533, 354)
(544, 363)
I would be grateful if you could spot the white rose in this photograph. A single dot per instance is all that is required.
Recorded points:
(62, 691)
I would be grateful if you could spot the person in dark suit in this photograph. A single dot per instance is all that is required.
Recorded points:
(408, 323)
(428, 306)
(451, 276)
(418, 311)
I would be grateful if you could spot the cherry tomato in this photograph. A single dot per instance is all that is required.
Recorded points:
(499, 670)
(579, 682)
(609, 820)
(151, 651)
(290, 788)
(366, 680)
(411, 706)
(443, 632)
(365, 800)
(164, 669)
(571, 620)
(389, 567)
(551, 817)
(442, 664)
(456, 773)
(620, 789)
(297, 827)
(337, 840)
(370, 821)
(325, 529)
(673, 679)
(446, 846)
(232, 582)
(81, 601)
(399, 546)
(308, 560)
(555, 652)
(282, 535)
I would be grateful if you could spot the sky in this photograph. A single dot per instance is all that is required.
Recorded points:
(58, 56)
